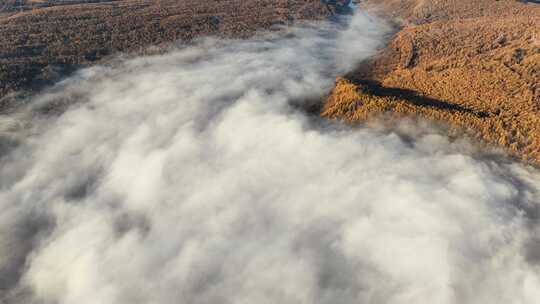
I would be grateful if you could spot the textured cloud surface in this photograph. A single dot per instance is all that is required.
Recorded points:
(192, 178)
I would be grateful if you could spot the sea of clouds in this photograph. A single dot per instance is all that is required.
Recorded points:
(196, 177)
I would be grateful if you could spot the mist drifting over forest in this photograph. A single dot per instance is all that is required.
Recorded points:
(196, 177)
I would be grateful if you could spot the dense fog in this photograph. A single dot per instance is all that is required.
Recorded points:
(197, 177)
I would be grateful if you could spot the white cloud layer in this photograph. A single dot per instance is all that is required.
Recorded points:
(190, 178)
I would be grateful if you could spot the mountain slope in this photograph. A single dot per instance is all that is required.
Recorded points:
(473, 64)
(42, 40)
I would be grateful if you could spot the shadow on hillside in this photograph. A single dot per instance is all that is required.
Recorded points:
(412, 97)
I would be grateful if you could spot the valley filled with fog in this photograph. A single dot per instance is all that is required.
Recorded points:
(197, 177)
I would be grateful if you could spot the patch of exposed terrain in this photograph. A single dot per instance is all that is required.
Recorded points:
(474, 64)
(41, 40)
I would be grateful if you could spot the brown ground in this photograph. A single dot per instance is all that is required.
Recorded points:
(43, 40)
(474, 64)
